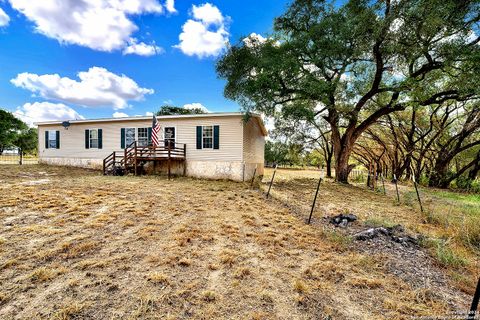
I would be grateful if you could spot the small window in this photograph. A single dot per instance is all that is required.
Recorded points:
(143, 137)
(129, 136)
(169, 136)
(94, 138)
(52, 139)
(207, 137)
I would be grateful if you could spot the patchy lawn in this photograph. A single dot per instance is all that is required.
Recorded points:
(75, 244)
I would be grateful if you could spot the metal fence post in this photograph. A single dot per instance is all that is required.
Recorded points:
(396, 187)
(271, 181)
(474, 307)
(418, 194)
(314, 200)
(383, 183)
(253, 177)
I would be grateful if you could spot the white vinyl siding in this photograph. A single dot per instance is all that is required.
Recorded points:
(73, 139)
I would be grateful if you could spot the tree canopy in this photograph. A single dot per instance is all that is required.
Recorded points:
(173, 110)
(354, 64)
(10, 130)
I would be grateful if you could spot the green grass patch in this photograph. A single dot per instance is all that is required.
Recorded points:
(445, 254)
(376, 222)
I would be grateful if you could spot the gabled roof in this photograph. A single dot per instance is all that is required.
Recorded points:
(257, 117)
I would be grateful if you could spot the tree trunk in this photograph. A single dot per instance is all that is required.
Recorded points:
(438, 175)
(342, 169)
(472, 174)
(329, 163)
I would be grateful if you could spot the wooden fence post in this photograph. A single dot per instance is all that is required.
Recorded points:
(396, 187)
(474, 307)
(418, 194)
(271, 181)
(314, 200)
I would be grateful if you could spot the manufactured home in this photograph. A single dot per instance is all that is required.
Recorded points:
(213, 145)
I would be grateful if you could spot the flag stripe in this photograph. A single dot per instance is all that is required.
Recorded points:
(155, 132)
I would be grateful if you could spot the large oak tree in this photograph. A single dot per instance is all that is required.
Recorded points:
(355, 63)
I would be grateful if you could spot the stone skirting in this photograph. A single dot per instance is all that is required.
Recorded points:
(74, 162)
(229, 170)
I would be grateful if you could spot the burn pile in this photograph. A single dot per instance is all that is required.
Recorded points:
(342, 220)
(395, 233)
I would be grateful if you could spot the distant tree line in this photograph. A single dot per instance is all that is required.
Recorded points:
(14, 133)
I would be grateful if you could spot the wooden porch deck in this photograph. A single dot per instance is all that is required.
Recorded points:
(133, 158)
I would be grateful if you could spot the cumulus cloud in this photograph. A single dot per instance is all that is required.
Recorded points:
(45, 111)
(196, 105)
(4, 18)
(97, 87)
(148, 113)
(170, 6)
(142, 49)
(99, 25)
(119, 115)
(254, 39)
(206, 34)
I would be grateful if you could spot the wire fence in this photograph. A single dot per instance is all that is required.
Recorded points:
(15, 158)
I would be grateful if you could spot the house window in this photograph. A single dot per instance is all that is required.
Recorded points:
(207, 137)
(169, 136)
(94, 138)
(52, 139)
(129, 136)
(142, 137)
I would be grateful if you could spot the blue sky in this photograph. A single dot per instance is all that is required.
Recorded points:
(45, 46)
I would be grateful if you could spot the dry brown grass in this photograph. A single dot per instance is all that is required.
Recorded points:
(87, 246)
(450, 223)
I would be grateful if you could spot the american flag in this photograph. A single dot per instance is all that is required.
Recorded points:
(155, 132)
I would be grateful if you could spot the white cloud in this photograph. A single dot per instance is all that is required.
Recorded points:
(97, 87)
(119, 115)
(206, 34)
(208, 13)
(170, 6)
(4, 18)
(196, 105)
(148, 113)
(45, 111)
(254, 39)
(99, 25)
(142, 49)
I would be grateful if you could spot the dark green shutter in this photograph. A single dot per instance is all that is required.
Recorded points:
(216, 137)
(199, 137)
(87, 139)
(100, 140)
(122, 138)
(46, 139)
(57, 137)
(149, 135)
